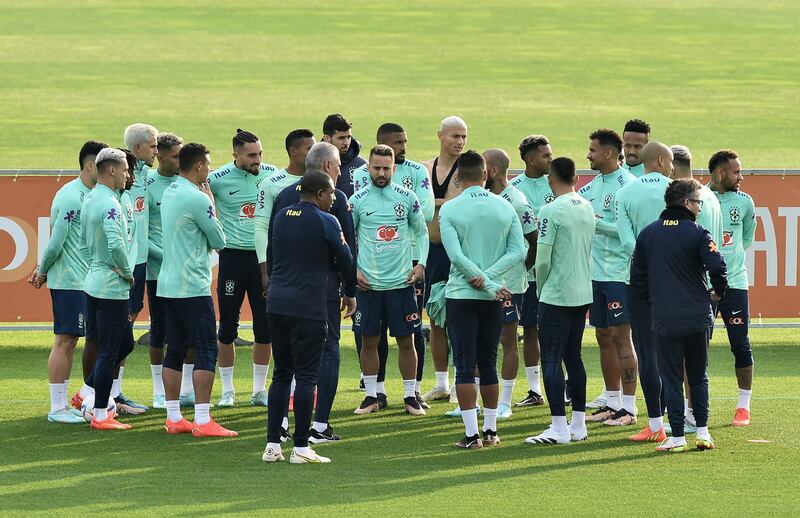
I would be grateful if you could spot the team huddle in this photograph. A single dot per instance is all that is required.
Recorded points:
(647, 251)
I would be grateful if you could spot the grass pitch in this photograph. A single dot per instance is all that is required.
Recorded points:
(391, 463)
(708, 74)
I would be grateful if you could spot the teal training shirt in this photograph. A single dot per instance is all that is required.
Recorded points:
(483, 238)
(638, 204)
(191, 231)
(638, 170)
(710, 217)
(387, 221)
(64, 260)
(414, 177)
(131, 245)
(235, 193)
(156, 185)
(517, 277)
(268, 191)
(609, 260)
(738, 233)
(538, 193)
(563, 252)
(141, 214)
(104, 233)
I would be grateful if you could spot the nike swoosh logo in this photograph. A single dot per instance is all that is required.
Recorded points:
(736, 312)
(618, 314)
(509, 313)
(371, 213)
(231, 193)
(158, 203)
(417, 325)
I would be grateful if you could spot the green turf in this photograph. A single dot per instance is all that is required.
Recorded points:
(392, 463)
(708, 74)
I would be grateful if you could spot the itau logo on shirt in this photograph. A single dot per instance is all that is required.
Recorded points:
(139, 204)
(247, 211)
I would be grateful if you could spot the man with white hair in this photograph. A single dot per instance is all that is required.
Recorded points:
(446, 185)
(109, 278)
(140, 139)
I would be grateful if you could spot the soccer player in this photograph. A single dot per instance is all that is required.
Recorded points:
(497, 162)
(608, 314)
(669, 268)
(634, 137)
(446, 185)
(190, 232)
(109, 278)
(235, 186)
(63, 267)
(739, 227)
(566, 230)
(413, 176)
(537, 154)
(169, 146)
(341, 290)
(140, 139)
(307, 242)
(388, 218)
(338, 131)
(483, 239)
(638, 204)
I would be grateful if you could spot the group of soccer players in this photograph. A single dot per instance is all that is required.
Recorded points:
(454, 236)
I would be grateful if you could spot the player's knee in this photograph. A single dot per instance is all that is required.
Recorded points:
(488, 373)
(227, 332)
(466, 378)
(173, 359)
(206, 358)
(65, 343)
(743, 354)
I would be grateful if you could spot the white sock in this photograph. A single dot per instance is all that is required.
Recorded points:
(489, 419)
(686, 408)
(121, 370)
(417, 386)
(294, 384)
(380, 386)
(187, 384)
(744, 399)
(533, 375)
(370, 383)
(470, 418)
(507, 392)
(408, 388)
(85, 391)
(285, 423)
(56, 397)
(702, 433)
(174, 411)
(320, 427)
(629, 403)
(560, 424)
(442, 381)
(226, 374)
(259, 378)
(116, 389)
(578, 423)
(202, 413)
(656, 424)
(304, 451)
(614, 399)
(66, 393)
(478, 381)
(101, 414)
(156, 372)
